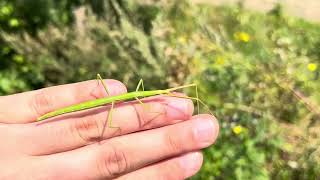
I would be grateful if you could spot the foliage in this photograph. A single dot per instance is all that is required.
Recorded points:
(259, 72)
(45, 43)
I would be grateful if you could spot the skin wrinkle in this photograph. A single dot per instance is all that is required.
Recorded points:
(159, 99)
(114, 161)
(86, 128)
(172, 142)
(40, 103)
(140, 112)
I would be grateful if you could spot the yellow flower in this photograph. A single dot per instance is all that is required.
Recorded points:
(220, 60)
(182, 40)
(312, 67)
(242, 36)
(288, 147)
(237, 129)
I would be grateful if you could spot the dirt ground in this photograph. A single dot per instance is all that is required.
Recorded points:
(308, 9)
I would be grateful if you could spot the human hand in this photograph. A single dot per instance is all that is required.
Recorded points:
(148, 145)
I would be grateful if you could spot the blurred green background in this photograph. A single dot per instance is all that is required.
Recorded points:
(259, 72)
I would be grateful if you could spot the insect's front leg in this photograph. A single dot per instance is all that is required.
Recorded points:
(99, 78)
(105, 87)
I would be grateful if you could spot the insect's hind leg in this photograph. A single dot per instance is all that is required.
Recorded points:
(99, 79)
(146, 108)
(108, 121)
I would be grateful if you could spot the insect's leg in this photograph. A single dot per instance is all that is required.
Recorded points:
(99, 78)
(147, 108)
(140, 84)
(110, 117)
(108, 121)
(198, 106)
(143, 105)
(192, 98)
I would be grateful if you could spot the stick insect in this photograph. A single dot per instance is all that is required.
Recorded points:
(136, 95)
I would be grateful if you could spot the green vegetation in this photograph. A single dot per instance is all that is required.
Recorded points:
(258, 72)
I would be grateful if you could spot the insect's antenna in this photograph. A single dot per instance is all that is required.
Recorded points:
(99, 78)
(185, 86)
(181, 87)
(197, 99)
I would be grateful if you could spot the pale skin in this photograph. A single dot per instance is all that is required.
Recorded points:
(165, 146)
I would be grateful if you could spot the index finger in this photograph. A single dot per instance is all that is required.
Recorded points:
(26, 107)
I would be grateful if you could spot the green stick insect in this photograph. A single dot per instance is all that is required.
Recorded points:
(136, 95)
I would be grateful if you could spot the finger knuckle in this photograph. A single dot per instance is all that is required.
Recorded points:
(87, 129)
(114, 162)
(41, 102)
(173, 143)
(139, 116)
(150, 114)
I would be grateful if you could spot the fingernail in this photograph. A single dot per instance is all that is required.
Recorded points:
(191, 163)
(179, 108)
(205, 132)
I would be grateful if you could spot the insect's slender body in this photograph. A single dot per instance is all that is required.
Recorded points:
(119, 98)
(102, 102)
(113, 99)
